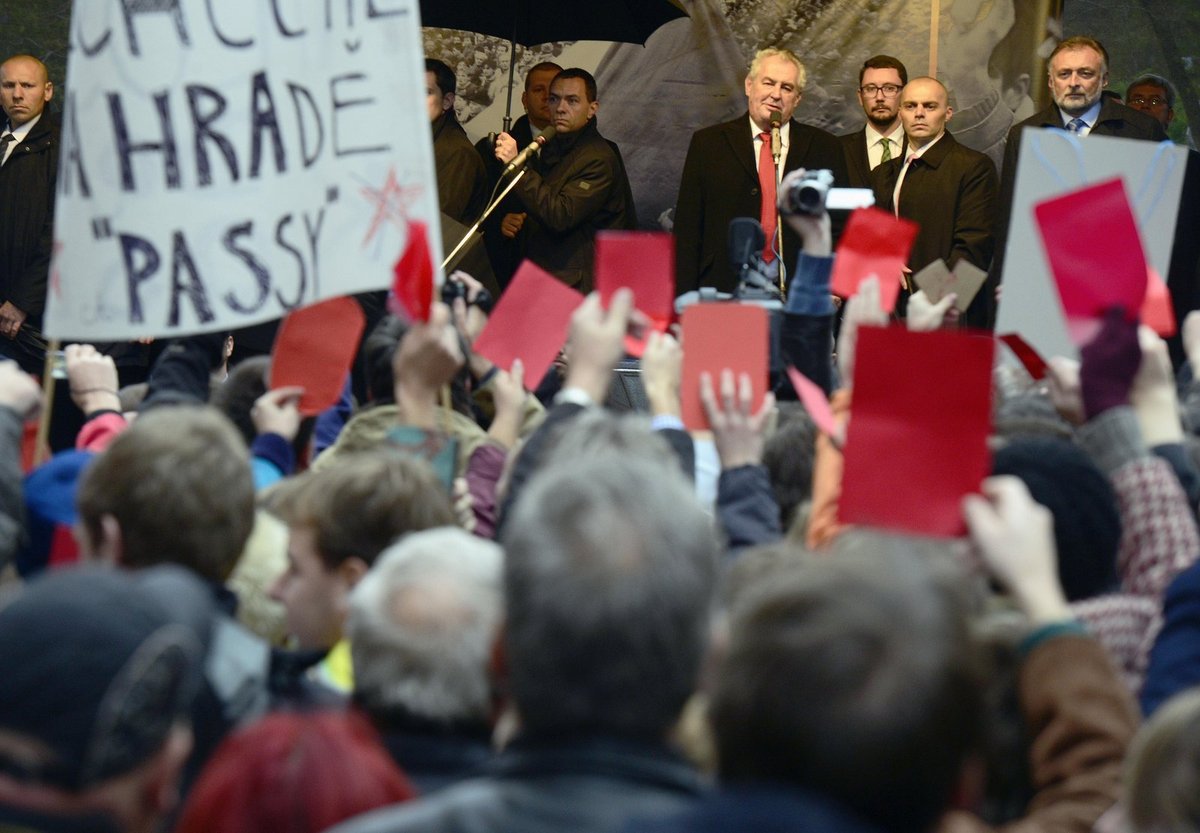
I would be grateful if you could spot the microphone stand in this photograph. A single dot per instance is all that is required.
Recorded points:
(487, 212)
(777, 243)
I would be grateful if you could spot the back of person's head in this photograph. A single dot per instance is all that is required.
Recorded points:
(175, 487)
(235, 397)
(377, 352)
(609, 573)
(597, 432)
(100, 671)
(789, 454)
(1087, 520)
(422, 626)
(855, 679)
(1162, 777)
(363, 502)
(293, 772)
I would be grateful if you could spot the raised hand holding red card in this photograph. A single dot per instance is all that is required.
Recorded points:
(529, 323)
(718, 337)
(1095, 253)
(645, 263)
(412, 288)
(916, 442)
(873, 243)
(315, 349)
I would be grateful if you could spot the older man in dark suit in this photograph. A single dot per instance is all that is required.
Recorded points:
(945, 187)
(730, 172)
(1077, 75)
(881, 139)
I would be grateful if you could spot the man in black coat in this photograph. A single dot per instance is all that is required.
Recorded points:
(881, 139)
(721, 180)
(946, 188)
(576, 187)
(1078, 74)
(462, 183)
(500, 230)
(28, 170)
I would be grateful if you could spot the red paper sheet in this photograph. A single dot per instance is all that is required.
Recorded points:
(315, 349)
(1094, 250)
(412, 288)
(644, 261)
(529, 323)
(1030, 358)
(873, 243)
(816, 403)
(916, 442)
(715, 337)
(1158, 313)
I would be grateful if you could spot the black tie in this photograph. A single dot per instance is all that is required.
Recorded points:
(5, 141)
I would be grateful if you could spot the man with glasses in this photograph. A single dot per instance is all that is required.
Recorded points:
(1154, 96)
(882, 138)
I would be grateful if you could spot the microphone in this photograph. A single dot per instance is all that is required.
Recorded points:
(746, 241)
(776, 142)
(534, 146)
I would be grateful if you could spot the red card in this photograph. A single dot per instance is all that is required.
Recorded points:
(1094, 250)
(644, 261)
(1157, 311)
(412, 289)
(530, 322)
(315, 349)
(916, 442)
(874, 243)
(816, 403)
(1026, 355)
(717, 336)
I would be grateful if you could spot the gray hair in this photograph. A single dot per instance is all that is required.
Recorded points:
(422, 623)
(609, 579)
(597, 433)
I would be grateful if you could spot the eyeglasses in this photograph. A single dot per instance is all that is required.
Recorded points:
(888, 90)
(1153, 101)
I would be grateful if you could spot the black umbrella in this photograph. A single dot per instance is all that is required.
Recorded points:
(530, 22)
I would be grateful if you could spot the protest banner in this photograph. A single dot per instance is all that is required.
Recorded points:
(1053, 163)
(225, 162)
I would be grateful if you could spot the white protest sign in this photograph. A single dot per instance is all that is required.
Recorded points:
(1052, 163)
(225, 161)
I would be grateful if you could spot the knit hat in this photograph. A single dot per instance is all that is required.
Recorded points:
(1087, 522)
(98, 667)
(50, 511)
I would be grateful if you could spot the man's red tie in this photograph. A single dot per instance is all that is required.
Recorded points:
(766, 184)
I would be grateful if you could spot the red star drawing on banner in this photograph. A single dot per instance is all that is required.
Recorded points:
(392, 202)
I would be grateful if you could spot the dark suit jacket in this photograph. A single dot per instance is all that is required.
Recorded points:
(950, 192)
(720, 182)
(461, 180)
(1115, 119)
(576, 187)
(858, 165)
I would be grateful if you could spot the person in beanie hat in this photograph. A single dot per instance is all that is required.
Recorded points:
(100, 669)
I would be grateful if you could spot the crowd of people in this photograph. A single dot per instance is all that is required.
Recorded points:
(449, 604)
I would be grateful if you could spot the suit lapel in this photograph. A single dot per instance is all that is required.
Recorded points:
(741, 144)
(798, 143)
